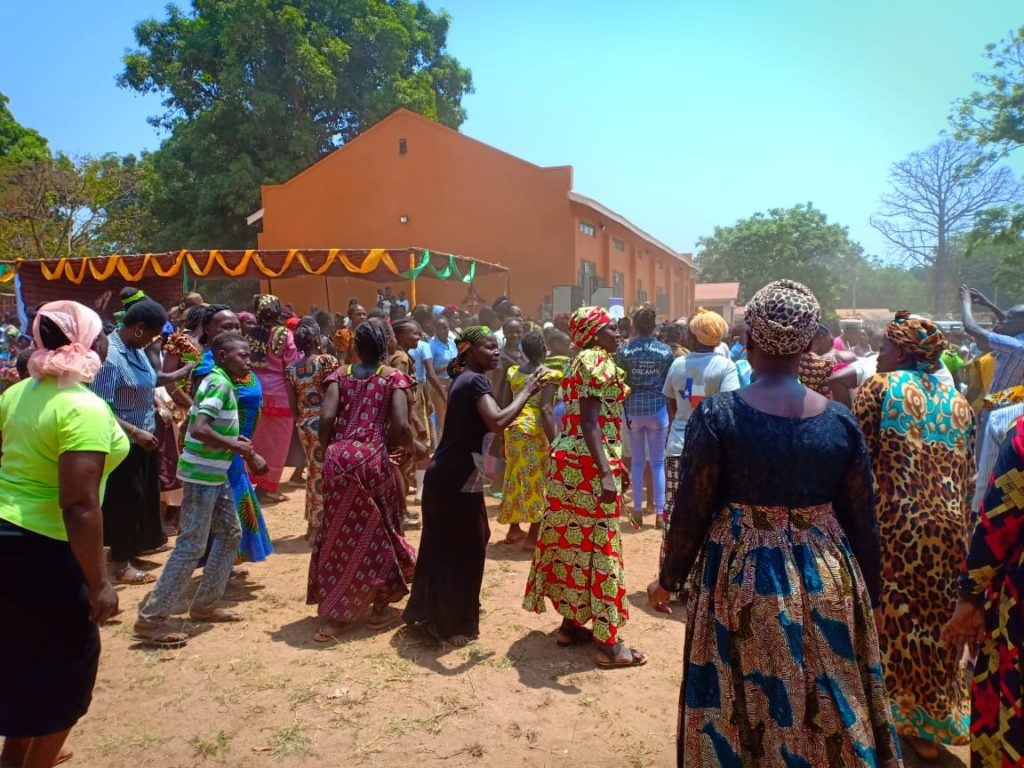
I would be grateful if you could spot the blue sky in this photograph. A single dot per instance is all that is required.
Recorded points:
(681, 115)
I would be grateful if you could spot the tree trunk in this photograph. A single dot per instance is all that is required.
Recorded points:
(940, 273)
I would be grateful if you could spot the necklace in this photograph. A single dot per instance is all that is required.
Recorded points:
(244, 381)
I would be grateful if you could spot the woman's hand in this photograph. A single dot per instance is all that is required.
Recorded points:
(420, 450)
(658, 597)
(257, 464)
(103, 604)
(145, 440)
(609, 492)
(535, 383)
(966, 627)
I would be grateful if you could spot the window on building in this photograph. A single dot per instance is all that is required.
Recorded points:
(618, 244)
(588, 273)
(641, 294)
(662, 303)
(587, 228)
(618, 285)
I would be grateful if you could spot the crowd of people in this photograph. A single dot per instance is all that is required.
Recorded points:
(842, 516)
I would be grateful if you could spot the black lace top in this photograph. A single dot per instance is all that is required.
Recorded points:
(736, 453)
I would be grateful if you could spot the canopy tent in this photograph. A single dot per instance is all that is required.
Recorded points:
(165, 276)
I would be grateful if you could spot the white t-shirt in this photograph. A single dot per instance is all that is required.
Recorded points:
(690, 379)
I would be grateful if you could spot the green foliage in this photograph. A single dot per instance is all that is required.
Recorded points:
(797, 243)
(870, 283)
(996, 247)
(52, 207)
(257, 90)
(18, 143)
(993, 116)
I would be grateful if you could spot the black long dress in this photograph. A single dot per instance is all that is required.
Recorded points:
(774, 523)
(453, 548)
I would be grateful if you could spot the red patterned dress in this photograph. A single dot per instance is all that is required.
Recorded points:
(578, 560)
(359, 556)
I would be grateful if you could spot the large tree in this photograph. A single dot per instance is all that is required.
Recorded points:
(256, 90)
(994, 254)
(54, 207)
(798, 243)
(18, 143)
(993, 115)
(934, 196)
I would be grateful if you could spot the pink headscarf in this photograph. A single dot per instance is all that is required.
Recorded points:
(74, 362)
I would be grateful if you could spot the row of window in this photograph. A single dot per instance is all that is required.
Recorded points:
(589, 230)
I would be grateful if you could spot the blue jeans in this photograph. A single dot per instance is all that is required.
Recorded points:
(647, 438)
(206, 510)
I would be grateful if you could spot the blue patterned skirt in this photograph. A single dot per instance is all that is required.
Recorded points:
(255, 544)
(782, 666)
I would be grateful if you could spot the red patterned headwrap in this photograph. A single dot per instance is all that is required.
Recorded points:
(585, 324)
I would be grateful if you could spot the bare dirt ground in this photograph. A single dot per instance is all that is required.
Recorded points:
(262, 693)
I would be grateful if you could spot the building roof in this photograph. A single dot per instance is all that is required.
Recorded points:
(864, 314)
(716, 292)
(257, 216)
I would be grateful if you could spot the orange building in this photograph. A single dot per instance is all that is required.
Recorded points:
(409, 181)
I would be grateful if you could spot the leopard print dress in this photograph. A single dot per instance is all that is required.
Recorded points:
(920, 435)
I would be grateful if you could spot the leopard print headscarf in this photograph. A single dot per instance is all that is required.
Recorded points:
(783, 317)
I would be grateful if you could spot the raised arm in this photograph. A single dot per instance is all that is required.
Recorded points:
(979, 334)
(497, 418)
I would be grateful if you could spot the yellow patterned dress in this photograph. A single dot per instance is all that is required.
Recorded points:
(306, 378)
(920, 436)
(577, 563)
(526, 457)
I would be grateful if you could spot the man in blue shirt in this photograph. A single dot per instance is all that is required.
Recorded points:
(646, 362)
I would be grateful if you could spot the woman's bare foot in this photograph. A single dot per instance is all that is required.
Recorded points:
(331, 630)
(515, 534)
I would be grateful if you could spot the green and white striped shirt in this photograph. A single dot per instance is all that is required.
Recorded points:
(216, 398)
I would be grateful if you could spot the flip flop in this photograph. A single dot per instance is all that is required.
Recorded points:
(324, 636)
(138, 578)
(381, 620)
(636, 659)
(159, 636)
(566, 639)
(216, 616)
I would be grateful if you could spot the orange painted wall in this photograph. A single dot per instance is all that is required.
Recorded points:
(460, 196)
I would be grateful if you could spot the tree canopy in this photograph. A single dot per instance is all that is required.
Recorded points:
(798, 243)
(18, 143)
(993, 115)
(257, 90)
(934, 195)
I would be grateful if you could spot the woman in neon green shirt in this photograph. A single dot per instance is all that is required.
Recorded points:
(60, 441)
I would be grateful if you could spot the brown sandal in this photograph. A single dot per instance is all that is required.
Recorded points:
(636, 659)
(158, 635)
(384, 618)
(328, 634)
(567, 639)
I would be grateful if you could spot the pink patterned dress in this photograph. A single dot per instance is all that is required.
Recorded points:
(359, 556)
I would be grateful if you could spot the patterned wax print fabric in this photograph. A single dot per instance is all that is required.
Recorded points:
(184, 345)
(781, 658)
(994, 577)
(526, 457)
(577, 563)
(920, 435)
(273, 436)
(359, 556)
(307, 380)
(815, 371)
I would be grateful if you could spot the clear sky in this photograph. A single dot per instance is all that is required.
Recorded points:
(679, 114)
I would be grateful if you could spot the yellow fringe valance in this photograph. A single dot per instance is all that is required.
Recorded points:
(75, 270)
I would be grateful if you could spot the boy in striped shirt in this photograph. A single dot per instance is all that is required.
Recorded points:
(207, 508)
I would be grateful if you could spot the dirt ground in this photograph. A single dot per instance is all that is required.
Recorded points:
(262, 693)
